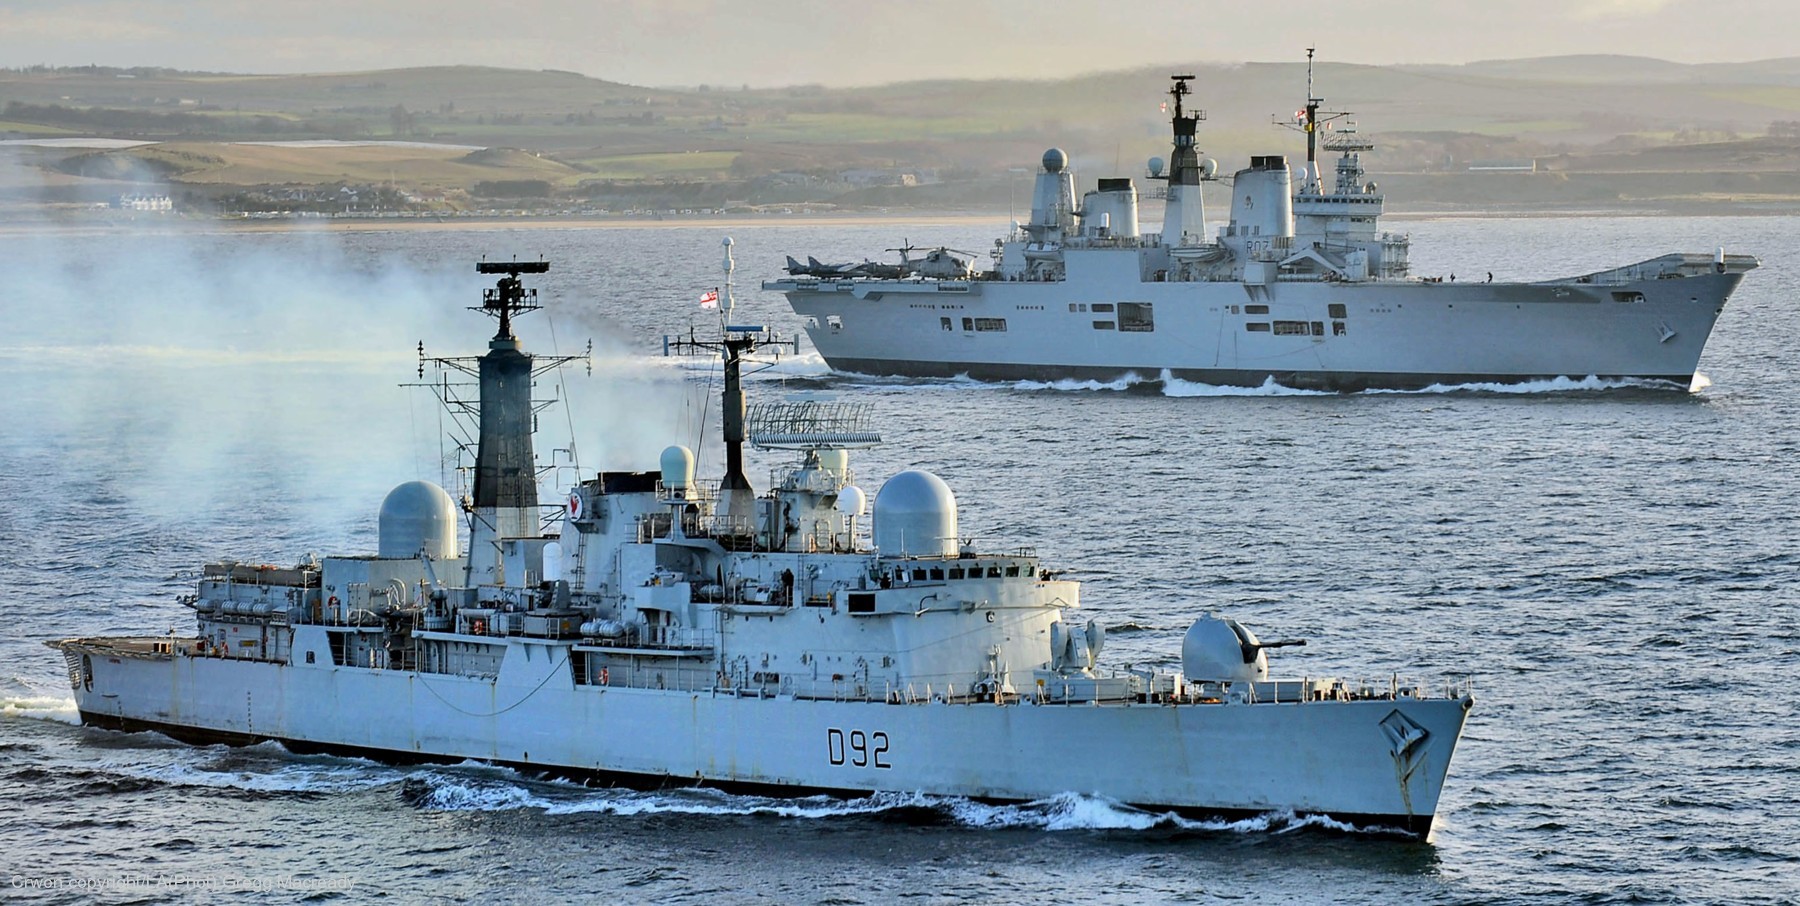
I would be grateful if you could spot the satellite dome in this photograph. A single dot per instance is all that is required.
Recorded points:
(915, 516)
(1055, 161)
(1213, 651)
(851, 501)
(677, 468)
(1156, 167)
(415, 516)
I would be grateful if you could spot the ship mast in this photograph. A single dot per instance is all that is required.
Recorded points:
(1311, 120)
(1311, 126)
(505, 493)
(737, 498)
(503, 502)
(1184, 217)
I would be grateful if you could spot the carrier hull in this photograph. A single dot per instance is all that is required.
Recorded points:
(1332, 336)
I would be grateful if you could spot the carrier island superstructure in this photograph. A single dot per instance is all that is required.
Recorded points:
(1301, 286)
(674, 631)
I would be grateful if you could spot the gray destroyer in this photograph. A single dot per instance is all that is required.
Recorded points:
(656, 629)
(1301, 287)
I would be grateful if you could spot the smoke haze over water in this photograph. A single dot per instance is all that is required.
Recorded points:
(173, 365)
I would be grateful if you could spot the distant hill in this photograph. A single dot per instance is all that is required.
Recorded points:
(595, 139)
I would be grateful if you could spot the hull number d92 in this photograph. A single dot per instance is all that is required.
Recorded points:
(856, 748)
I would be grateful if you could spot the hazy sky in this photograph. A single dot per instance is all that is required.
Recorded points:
(841, 42)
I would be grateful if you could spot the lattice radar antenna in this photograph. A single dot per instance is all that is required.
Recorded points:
(811, 425)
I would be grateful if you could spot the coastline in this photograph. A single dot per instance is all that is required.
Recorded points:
(999, 220)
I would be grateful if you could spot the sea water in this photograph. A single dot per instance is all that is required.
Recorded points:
(1613, 567)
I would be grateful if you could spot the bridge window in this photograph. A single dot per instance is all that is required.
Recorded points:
(1136, 316)
(1257, 327)
(1335, 310)
(945, 323)
(1255, 309)
(1293, 329)
(968, 324)
(1103, 325)
(1102, 306)
(993, 324)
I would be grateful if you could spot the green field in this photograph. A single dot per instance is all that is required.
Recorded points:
(796, 144)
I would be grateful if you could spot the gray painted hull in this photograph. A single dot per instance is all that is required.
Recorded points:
(1327, 758)
(1402, 335)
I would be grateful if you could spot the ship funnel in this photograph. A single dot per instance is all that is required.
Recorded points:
(1111, 210)
(1262, 202)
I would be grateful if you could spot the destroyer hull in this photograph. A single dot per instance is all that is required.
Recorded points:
(1370, 763)
(1325, 335)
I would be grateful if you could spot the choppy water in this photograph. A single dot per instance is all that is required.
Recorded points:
(1615, 567)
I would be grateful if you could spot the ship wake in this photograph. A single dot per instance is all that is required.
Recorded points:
(491, 790)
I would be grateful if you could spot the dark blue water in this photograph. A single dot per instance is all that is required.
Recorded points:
(1614, 568)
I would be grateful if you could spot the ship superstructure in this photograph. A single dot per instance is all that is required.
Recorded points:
(1301, 285)
(674, 630)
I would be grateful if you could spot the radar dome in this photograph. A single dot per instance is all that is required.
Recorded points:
(415, 516)
(915, 515)
(834, 460)
(1208, 168)
(851, 501)
(1222, 651)
(1156, 167)
(677, 468)
(1055, 161)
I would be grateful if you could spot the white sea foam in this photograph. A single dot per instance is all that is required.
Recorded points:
(61, 710)
(1064, 812)
(1069, 385)
(1553, 385)
(265, 767)
(1176, 387)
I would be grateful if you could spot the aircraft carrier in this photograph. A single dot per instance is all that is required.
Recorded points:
(1300, 286)
(656, 629)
